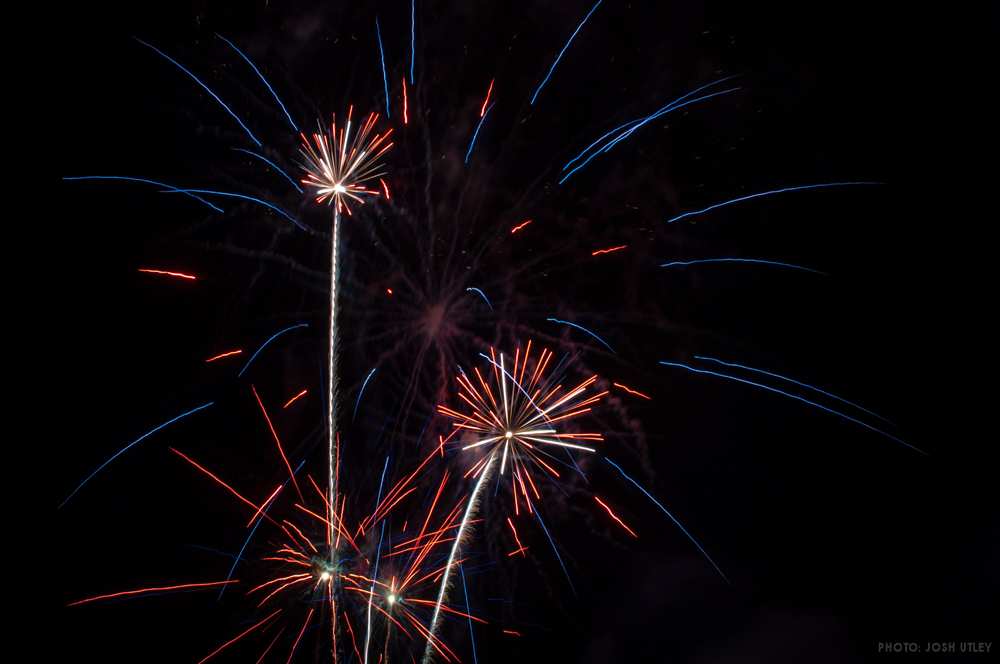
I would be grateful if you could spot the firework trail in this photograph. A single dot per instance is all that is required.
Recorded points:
(126, 178)
(735, 365)
(761, 194)
(470, 511)
(205, 88)
(268, 342)
(133, 444)
(671, 517)
(622, 132)
(257, 71)
(338, 165)
(754, 261)
(569, 41)
(775, 390)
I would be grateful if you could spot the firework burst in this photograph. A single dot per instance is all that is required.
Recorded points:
(517, 413)
(338, 164)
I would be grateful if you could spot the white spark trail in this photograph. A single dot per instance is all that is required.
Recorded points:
(470, 512)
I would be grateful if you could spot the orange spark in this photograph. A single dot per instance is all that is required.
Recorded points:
(511, 632)
(179, 275)
(277, 441)
(268, 648)
(226, 354)
(631, 391)
(350, 631)
(385, 188)
(299, 637)
(615, 517)
(237, 638)
(520, 226)
(141, 591)
(482, 111)
(213, 476)
(388, 292)
(520, 547)
(295, 398)
(608, 250)
(263, 506)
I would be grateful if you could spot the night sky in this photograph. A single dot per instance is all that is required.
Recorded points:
(834, 538)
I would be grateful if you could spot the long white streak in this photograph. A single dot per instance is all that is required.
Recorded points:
(561, 444)
(485, 441)
(331, 421)
(331, 415)
(470, 512)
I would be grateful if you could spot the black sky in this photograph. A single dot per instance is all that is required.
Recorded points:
(834, 538)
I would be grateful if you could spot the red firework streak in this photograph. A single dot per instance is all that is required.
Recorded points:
(520, 226)
(609, 250)
(519, 414)
(401, 596)
(226, 354)
(166, 273)
(482, 110)
(295, 398)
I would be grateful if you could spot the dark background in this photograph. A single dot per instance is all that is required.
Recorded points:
(834, 538)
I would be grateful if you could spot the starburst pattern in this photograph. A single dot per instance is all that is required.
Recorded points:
(518, 413)
(338, 164)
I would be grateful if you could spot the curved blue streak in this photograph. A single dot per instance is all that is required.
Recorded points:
(472, 143)
(230, 194)
(580, 327)
(264, 80)
(672, 518)
(663, 111)
(361, 392)
(272, 165)
(766, 193)
(265, 344)
(673, 106)
(587, 149)
(131, 445)
(797, 398)
(637, 122)
(793, 381)
(205, 87)
(559, 57)
(482, 295)
(381, 53)
(145, 181)
(760, 261)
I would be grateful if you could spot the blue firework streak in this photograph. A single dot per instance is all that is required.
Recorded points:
(775, 390)
(772, 192)
(569, 41)
(133, 444)
(753, 261)
(257, 71)
(205, 88)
